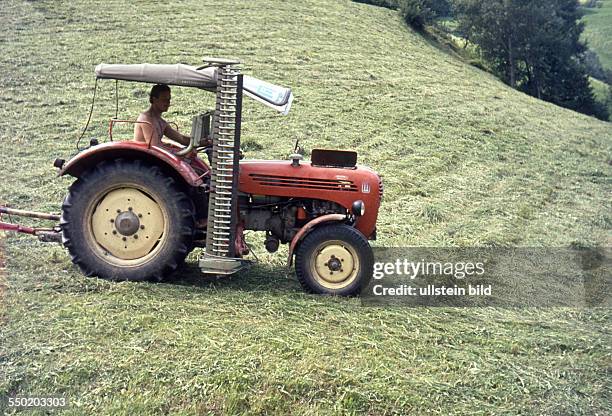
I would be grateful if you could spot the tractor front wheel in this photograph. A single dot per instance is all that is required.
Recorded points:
(334, 260)
(126, 220)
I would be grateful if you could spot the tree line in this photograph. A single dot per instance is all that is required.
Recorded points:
(532, 45)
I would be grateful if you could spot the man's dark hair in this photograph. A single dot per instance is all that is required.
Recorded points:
(158, 89)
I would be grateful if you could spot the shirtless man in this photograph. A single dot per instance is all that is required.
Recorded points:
(155, 127)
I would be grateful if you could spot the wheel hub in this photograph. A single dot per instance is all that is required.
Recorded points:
(334, 264)
(127, 223)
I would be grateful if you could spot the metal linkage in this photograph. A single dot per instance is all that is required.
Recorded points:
(46, 234)
(31, 214)
(224, 170)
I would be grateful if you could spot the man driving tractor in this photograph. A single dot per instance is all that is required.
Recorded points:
(138, 207)
(150, 126)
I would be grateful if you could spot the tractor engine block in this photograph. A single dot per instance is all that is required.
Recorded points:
(279, 216)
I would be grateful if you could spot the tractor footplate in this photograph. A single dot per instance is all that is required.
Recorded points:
(211, 264)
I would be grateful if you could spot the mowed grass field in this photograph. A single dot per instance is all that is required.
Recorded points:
(598, 31)
(466, 161)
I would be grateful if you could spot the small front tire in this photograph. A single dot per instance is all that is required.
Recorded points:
(334, 260)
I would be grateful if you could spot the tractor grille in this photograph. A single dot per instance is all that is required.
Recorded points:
(380, 188)
(305, 183)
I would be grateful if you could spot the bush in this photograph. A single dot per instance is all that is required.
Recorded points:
(440, 8)
(599, 110)
(415, 13)
(418, 13)
(593, 66)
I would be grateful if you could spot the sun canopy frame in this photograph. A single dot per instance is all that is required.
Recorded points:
(274, 96)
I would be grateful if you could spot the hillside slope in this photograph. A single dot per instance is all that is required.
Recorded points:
(466, 161)
(501, 167)
(598, 31)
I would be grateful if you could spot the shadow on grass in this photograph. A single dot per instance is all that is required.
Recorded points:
(260, 277)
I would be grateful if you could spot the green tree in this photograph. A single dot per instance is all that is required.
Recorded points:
(418, 13)
(415, 13)
(534, 46)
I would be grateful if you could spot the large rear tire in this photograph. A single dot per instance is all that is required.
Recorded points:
(127, 220)
(334, 260)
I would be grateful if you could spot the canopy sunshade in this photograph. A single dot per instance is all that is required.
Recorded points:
(274, 96)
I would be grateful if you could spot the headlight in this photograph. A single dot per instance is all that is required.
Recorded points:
(358, 208)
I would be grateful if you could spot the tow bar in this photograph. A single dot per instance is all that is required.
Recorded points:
(45, 234)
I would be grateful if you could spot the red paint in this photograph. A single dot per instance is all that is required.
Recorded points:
(5, 226)
(343, 186)
(274, 178)
(301, 214)
(129, 149)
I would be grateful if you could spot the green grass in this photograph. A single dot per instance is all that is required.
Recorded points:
(466, 160)
(601, 90)
(598, 31)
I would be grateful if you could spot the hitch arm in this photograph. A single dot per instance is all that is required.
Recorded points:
(31, 214)
(46, 234)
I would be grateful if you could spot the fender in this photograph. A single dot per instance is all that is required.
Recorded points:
(131, 150)
(306, 229)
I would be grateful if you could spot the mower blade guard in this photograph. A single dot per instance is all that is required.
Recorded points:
(219, 265)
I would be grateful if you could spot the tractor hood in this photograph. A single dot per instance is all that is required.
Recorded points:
(274, 96)
(343, 186)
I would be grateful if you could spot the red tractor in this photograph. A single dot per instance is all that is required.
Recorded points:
(135, 211)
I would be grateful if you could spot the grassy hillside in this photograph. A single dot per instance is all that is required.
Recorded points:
(598, 31)
(601, 91)
(466, 160)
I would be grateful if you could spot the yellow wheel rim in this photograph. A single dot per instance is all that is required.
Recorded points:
(334, 264)
(127, 224)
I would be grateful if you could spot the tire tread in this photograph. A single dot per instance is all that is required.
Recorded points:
(90, 264)
(333, 232)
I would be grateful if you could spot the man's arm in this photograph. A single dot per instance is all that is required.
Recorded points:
(176, 136)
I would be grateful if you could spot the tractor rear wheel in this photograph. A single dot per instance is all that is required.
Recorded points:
(127, 220)
(334, 260)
